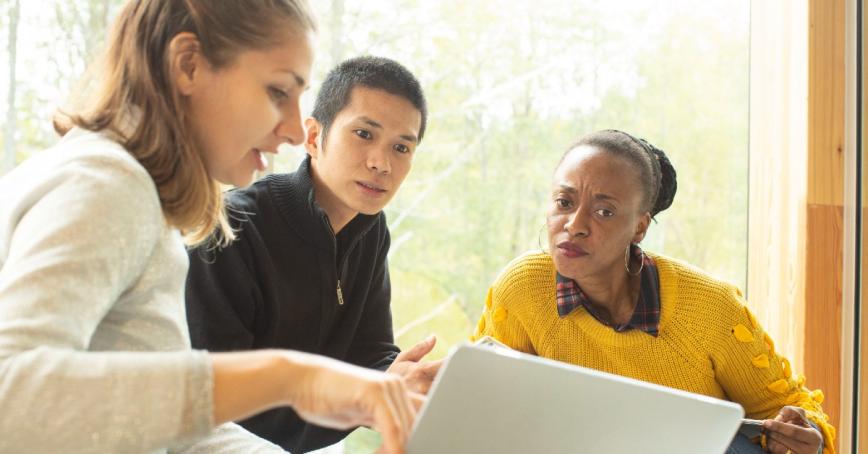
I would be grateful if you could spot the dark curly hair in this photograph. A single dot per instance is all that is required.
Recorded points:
(657, 174)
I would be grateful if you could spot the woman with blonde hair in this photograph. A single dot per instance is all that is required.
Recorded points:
(94, 349)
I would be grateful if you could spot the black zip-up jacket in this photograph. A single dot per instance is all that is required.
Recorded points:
(289, 282)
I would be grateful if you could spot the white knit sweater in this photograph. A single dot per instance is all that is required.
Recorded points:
(94, 350)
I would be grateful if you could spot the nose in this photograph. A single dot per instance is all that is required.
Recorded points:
(577, 224)
(378, 160)
(290, 129)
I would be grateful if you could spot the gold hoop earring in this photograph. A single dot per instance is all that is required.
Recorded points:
(539, 239)
(627, 262)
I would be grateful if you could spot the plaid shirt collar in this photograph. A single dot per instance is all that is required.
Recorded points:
(646, 316)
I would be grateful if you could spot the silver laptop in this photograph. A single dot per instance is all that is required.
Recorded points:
(494, 400)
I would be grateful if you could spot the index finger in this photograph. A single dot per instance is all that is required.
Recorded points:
(794, 415)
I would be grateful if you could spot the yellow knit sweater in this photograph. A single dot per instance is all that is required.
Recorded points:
(709, 343)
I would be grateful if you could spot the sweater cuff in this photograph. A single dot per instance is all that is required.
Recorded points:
(826, 430)
(199, 410)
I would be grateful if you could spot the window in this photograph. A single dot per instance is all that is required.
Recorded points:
(510, 85)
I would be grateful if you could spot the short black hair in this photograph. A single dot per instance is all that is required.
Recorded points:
(657, 174)
(371, 72)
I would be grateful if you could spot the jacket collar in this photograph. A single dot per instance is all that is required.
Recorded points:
(295, 199)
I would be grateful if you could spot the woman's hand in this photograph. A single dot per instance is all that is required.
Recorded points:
(790, 432)
(342, 396)
(323, 391)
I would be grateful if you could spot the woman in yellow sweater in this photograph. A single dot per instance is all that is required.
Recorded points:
(597, 300)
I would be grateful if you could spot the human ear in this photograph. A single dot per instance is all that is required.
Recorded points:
(185, 62)
(312, 139)
(642, 227)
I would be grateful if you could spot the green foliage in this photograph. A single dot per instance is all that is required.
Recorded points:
(51, 61)
(415, 322)
(362, 441)
(510, 85)
(510, 88)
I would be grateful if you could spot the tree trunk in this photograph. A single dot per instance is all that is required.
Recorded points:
(9, 133)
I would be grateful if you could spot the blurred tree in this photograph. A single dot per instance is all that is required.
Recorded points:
(510, 85)
(10, 125)
(55, 61)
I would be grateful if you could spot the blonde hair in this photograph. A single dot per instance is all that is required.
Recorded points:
(133, 79)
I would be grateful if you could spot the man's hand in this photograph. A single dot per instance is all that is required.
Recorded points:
(417, 375)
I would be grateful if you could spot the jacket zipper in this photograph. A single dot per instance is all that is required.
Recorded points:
(343, 263)
(341, 268)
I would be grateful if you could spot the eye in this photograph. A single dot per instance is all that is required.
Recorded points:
(563, 203)
(401, 148)
(364, 134)
(277, 95)
(604, 213)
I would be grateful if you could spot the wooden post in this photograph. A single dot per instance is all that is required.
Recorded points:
(825, 198)
(863, 349)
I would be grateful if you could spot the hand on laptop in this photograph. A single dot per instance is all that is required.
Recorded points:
(790, 432)
(417, 374)
(338, 395)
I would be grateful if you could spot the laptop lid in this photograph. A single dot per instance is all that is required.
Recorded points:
(494, 400)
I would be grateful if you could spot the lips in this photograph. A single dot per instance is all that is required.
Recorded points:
(261, 161)
(571, 250)
(370, 187)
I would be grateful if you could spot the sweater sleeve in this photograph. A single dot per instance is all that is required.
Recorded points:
(501, 315)
(374, 344)
(76, 237)
(229, 438)
(753, 374)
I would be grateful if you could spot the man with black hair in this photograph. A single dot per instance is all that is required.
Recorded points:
(308, 271)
